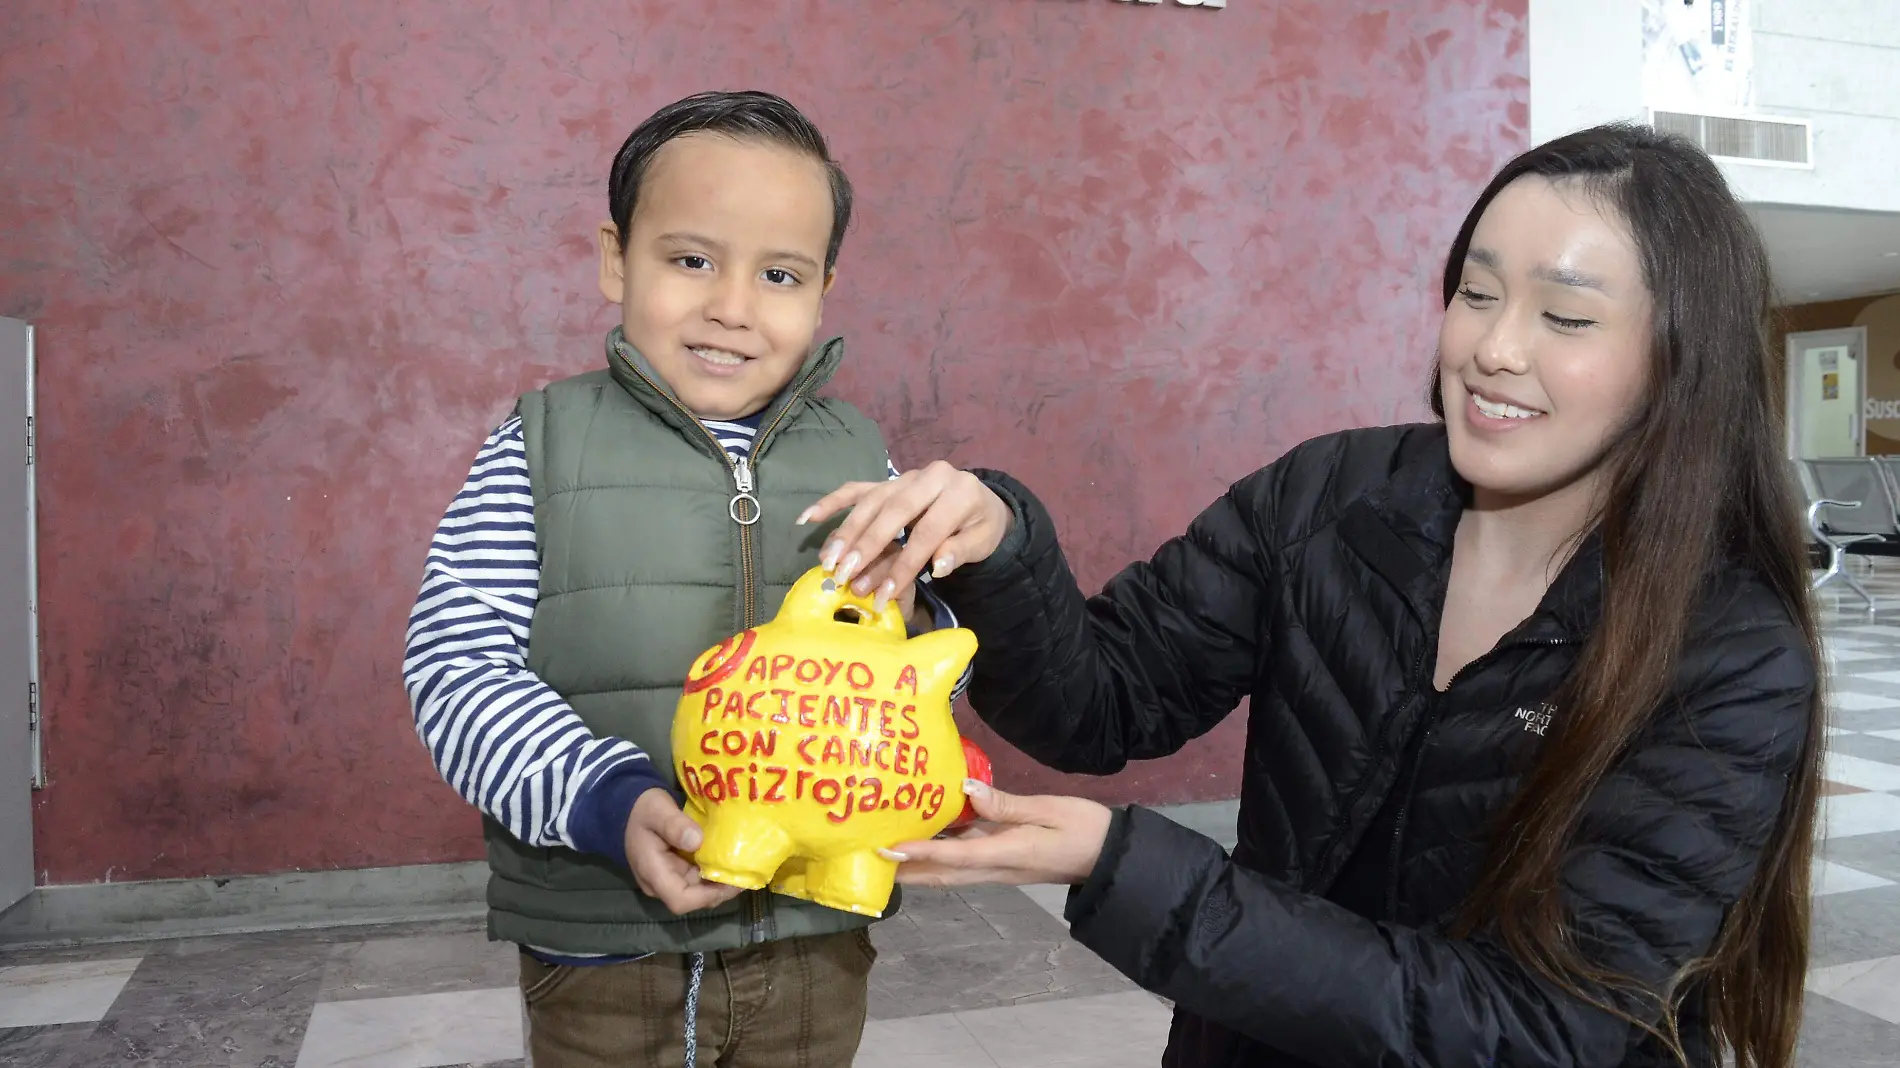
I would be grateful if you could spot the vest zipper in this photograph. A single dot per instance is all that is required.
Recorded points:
(758, 904)
(742, 479)
(745, 510)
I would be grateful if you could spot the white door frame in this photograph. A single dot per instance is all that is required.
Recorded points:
(19, 622)
(1855, 337)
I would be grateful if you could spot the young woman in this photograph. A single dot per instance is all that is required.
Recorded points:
(1533, 735)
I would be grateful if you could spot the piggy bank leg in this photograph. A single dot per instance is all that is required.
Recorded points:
(793, 879)
(741, 848)
(855, 882)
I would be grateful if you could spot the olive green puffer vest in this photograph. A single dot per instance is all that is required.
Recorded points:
(643, 568)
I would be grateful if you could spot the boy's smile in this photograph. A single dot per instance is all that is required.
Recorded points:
(722, 278)
(718, 361)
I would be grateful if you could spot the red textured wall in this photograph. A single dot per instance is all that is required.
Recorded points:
(290, 261)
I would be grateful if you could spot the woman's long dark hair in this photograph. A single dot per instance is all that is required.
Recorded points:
(1697, 483)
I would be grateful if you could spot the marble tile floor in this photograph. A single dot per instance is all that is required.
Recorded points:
(962, 978)
(984, 978)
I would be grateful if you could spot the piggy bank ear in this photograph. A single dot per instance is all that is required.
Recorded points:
(940, 658)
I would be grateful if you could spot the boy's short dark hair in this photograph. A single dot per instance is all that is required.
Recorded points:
(749, 116)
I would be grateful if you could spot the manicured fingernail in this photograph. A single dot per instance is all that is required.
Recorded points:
(893, 855)
(849, 567)
(943, 566)
(805, 516)
(829, 559)
(976, 787)
(885, 594)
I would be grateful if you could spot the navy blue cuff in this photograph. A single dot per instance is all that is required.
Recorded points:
(941, 616)
(598, 823)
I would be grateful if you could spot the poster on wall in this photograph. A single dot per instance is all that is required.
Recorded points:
(1697, 56)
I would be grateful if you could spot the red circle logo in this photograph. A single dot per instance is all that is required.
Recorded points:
(719, 663)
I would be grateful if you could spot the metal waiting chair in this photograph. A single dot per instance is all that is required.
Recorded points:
(1850, 512)
(1890, 470)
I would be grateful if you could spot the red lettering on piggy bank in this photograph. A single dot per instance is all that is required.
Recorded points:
(810, 742)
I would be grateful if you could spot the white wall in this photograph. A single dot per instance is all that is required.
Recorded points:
(1837, 63)
(1586, 64)
(1834, 62)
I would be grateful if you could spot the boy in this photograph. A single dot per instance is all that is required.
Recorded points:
(621, 523)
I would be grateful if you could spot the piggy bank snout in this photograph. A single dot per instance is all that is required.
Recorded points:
(977, 766)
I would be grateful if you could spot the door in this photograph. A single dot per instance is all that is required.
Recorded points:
(1827, 389)
(18, 677)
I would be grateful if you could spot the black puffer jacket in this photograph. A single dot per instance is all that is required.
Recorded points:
(1315, 587)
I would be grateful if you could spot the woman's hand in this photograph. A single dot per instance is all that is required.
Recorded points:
(1024, 840)
(952, 517)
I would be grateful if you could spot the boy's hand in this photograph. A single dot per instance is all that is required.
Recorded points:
(657, 833)
(953, 519)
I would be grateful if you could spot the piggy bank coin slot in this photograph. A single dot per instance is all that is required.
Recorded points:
(851, 614)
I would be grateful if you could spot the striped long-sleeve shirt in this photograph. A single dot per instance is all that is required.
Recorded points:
(499, 735)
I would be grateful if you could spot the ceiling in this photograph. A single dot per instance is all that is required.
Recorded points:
(1828, 254)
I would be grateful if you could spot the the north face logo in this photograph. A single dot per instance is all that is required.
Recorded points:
(1538, 720)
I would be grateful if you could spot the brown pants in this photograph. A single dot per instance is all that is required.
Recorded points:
(798, 1003)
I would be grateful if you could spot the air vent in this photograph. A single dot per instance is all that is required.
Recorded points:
(1781, 141)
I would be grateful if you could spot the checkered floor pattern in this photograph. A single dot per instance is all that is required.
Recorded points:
(980, 979)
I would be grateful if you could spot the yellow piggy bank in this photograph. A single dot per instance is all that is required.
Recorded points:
(806, 744)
